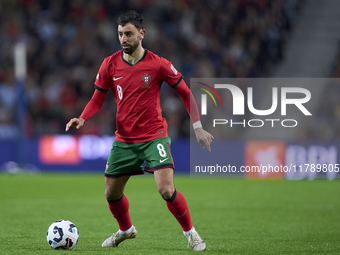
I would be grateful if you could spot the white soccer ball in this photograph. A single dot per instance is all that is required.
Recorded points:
(62, 234)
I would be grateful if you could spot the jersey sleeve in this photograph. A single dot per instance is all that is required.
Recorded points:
(102, 85)
(169, 73)
(102, 82)
(189, 102)
(93, 105)
(174, 79)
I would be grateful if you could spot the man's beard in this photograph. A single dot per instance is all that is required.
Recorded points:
(132, 48)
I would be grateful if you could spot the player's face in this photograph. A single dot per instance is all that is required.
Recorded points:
(130, 37)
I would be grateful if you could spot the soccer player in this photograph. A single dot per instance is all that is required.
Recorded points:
(135, 75)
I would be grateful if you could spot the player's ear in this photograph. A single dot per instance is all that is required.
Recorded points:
(141, 34)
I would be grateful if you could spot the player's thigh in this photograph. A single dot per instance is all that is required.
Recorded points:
(157, 155)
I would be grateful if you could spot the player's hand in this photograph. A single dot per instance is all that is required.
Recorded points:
(75, 122)
(204, 138)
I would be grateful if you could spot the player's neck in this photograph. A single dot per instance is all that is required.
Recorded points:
(135, 56)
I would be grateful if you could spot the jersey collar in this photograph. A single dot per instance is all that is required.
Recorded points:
(145, 51)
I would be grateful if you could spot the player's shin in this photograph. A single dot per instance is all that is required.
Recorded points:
(120, 210)
(179, 208)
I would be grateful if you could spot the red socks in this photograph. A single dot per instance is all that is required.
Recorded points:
(176, 205)
(120, 210)
(179, 208)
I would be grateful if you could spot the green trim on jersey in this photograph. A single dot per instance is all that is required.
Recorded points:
(130, 64)
(177, 83)
(100, 89)
(128, 158)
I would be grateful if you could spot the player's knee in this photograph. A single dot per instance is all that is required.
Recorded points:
(166, 192)
(107, 195)
(110, 195)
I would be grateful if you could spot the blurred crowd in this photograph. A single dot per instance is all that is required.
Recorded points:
(68, 39)
(329, 108)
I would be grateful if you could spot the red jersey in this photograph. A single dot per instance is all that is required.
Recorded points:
(136, 88)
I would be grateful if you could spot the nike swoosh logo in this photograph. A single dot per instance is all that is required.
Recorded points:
(162, 160)
(115, 79)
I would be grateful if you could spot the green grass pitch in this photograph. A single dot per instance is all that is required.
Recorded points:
(233, 216)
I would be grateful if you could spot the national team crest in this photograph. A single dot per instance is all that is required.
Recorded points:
(146, 78)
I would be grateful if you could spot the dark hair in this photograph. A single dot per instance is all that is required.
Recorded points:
(131, 17)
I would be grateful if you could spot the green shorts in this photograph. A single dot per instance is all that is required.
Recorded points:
(129, 158)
